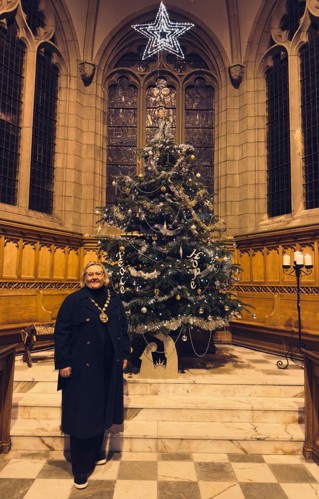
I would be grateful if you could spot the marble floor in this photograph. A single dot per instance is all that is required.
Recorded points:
(45, 474)
(161, 476)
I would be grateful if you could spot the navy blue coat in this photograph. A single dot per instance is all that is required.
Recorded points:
(92, 397)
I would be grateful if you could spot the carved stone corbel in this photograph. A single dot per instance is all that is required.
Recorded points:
(236, 74)
(87, 70)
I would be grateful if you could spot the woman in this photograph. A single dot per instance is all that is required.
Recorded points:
(91, 350)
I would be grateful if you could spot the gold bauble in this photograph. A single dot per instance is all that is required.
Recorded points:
(201, 310)
(140, 175)
(193, 156)
(143, 310)
(198, 175)
(178, 297)
(199, 291)
(156, 292)
(122, 248)
(114, 182)
(163, 188)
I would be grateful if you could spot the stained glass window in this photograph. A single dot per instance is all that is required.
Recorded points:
(199, 127)
(122, 131)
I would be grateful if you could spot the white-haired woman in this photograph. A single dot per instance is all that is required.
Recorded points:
(91, 350)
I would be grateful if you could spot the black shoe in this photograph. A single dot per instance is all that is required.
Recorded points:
(100, 459)
(80, 481)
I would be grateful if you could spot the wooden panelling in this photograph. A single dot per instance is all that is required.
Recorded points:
(28, 257)
(44, 265)
(50, 301)
(244, 260)
(273, 265)
(258, 266)
(261, 306)
(18, 307)
(273, 322)
(59, 263)
(73, 264)
(10, 259)
(38, 269)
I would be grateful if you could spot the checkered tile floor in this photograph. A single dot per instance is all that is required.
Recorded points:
(47, 475)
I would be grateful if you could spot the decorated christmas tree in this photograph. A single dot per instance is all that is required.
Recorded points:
(169, 258)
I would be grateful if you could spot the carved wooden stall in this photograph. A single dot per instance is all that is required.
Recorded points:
(38, 268)
(272, 325)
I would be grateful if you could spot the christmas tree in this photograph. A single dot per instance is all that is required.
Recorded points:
(170, 259)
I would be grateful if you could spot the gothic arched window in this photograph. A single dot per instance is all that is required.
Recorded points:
(29, 78)
(278, 139)
(283, 114)
(309, 59)
(11, 81)
(163, 87)
(43, 133)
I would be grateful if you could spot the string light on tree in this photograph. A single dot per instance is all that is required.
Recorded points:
(169, 256)
(162, 34)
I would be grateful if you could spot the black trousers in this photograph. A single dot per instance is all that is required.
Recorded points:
(84, 453)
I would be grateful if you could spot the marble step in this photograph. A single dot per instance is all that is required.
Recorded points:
(165, 436)
(216, 388)
(175, 408)
(210, 387)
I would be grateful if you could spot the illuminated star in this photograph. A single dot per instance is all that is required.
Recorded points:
(162, 34)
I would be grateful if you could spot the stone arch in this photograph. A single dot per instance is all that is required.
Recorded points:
(269, 37)
(56, 33)
(204, 42)
(258, 41)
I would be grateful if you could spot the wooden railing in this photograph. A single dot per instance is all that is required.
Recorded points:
(7, 357)
(311, 446)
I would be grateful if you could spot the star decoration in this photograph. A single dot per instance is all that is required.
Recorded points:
(162, 34)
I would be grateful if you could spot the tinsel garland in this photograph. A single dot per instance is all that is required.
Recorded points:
(174, 324)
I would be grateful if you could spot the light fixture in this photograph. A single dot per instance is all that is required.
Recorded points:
(162, 34)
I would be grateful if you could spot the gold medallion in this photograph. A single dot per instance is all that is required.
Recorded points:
(104, 317)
